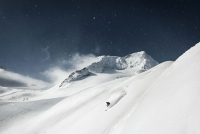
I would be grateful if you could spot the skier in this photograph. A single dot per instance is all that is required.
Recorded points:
(108, 103)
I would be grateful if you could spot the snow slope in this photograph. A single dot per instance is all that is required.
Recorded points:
(82, 109)
(13, 112)
(164, 99)
(172, 104)
(20, 104)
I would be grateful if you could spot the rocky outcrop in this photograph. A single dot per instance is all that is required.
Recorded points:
(77, 75)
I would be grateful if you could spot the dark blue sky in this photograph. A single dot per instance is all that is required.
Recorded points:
(35, 34)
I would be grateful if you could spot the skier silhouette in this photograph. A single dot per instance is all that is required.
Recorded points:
(108, 103)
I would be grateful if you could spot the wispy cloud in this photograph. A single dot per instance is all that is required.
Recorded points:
(55, 74)
(79, 61)
(8, 78)
(64, 68)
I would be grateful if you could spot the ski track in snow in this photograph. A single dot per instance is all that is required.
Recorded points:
(120, 122)
(138, 103)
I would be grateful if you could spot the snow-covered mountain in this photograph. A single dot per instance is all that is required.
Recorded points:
(115, 99)
(141, 60)
(121, 63)
(77, 75)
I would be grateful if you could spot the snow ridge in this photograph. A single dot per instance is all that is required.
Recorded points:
(77, 75)
(122, 63)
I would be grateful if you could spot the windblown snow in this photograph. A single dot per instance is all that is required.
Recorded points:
(116, 95)
(140, 60)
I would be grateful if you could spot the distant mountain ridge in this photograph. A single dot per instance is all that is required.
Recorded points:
(138, 59)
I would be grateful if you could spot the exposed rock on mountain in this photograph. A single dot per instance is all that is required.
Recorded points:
(140, 59)
(77, 75)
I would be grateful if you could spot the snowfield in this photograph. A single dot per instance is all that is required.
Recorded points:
(144, 98)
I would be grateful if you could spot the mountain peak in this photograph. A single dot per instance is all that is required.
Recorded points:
(141, 60)
(137, 54)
